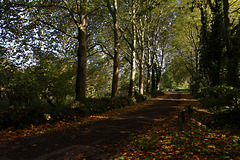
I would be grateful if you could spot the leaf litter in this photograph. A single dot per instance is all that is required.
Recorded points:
(165, 140)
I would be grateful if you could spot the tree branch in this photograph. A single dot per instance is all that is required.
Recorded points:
(110, 8)
(71, 13)
(89, 13)
(90, 55)
(104, 49)
(236, 10)
(58, 29)
(211, 5)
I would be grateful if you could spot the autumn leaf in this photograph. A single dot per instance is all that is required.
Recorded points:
(196, 141)
(79, 156)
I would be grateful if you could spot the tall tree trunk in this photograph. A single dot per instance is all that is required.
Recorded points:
(82, 59)
(132, 77)
(141, 62)
(133, 55)
(113, 12)
(159, 71)
(141, 78)
(153, 74)
(148, 66)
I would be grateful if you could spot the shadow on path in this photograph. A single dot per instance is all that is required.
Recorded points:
(87, 139)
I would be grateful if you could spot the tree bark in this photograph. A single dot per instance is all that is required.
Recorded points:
(133, 55)
(116, 48)
(159, 71)
(82, 58)
(142, 57)
(149, 65)
(153, 74)
(141, 78)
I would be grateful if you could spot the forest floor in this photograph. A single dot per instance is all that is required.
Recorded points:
(147, 130)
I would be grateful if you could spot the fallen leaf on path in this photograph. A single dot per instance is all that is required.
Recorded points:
(79, 156)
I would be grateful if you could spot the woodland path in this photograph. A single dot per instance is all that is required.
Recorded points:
(88, 139)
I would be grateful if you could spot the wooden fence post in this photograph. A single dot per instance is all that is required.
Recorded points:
(182, 116)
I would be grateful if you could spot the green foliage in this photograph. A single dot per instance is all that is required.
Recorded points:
(98, 76)
(140, 97)
(227, 120)
(220, 98)
(21, 117)
(50, 81)
(39, 113)
(156, 93)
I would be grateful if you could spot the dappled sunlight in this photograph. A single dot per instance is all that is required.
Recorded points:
(125, 132)
(159, 119)
(118, 118)
(184, 99)
(164, 140)
(176, 99)
(203, 110)
(99, 117)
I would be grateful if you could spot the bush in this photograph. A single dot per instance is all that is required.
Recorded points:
(21, 117)
(156, 93)
(39, 113)
(220, 97)
(141, 98)
(227, 120)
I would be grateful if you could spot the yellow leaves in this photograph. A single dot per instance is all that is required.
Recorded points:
(211, 146)
(104, 146)
(11, 107)
(195, 142)
(163, 153)
(79, 156)
(195, 157)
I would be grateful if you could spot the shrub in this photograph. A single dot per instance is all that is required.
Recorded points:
(218, 97)
(39, 113)
(156, 93)
(20, 117)
(141, 98)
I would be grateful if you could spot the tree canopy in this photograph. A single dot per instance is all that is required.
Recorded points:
(63, 50)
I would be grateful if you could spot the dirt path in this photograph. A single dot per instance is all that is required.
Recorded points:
(88, 139)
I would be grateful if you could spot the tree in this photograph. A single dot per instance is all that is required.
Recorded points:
(160, 31)
(142, 54)
(129, 35)
(216, 44)
(133, 54)
(113, 9)
(232, 51)
(69, 18)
